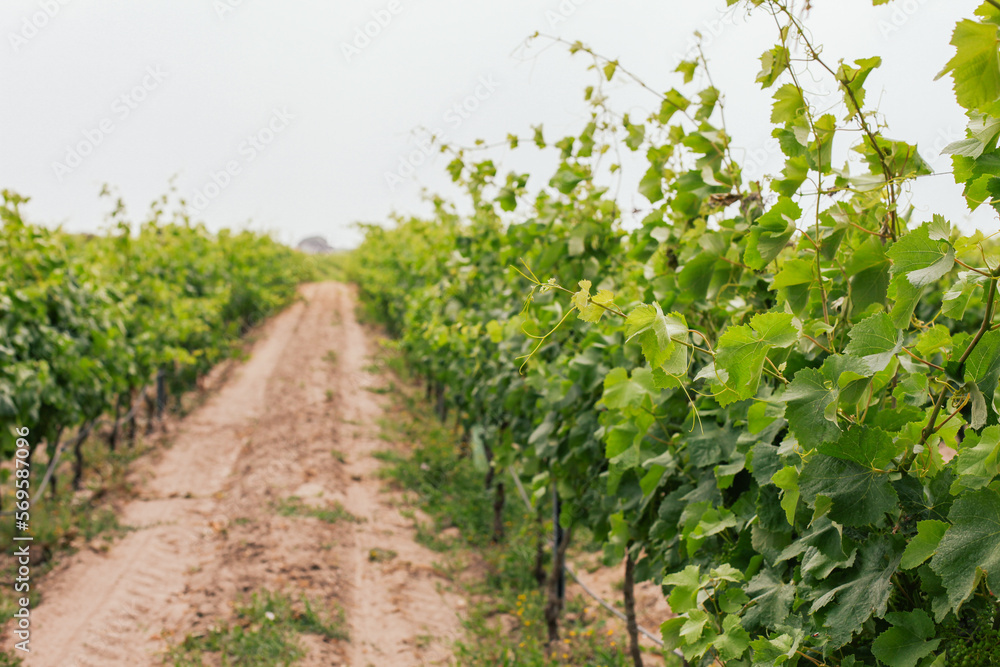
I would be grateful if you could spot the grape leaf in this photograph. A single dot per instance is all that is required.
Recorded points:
(957, 298)
(869, 447)
(876, 340)
(686, 584)
(657, 334)
(771, 233)
(813, 396)
(771, 599)
(734, 640)
(908, 640)
(860, 495)
(983, 366)
(970, 549)
(621, 392)
(787, 479)
(920, 258)
(742, 349)
(863, 591)
(923, 545)
(599, 303)
(975, 67)
(978, 461)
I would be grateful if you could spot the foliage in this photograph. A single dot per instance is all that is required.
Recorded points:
(87, 320)
(265, 634)
(505, 623)
(760, 388)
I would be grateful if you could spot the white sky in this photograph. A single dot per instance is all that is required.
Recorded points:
(223, 72)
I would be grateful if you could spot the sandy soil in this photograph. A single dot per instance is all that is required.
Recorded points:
(294, 420)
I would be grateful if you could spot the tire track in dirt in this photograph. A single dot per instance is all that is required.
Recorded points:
(400, 615)
(208, 532)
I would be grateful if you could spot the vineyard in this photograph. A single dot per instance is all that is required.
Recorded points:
(99, 327)
(772, 400)
(776, 397)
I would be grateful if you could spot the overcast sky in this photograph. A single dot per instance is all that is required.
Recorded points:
(278, 113)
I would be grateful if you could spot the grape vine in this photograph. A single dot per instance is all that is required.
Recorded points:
(778, 397)
(87, 321)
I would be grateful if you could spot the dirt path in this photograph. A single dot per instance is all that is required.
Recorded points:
(295, 420)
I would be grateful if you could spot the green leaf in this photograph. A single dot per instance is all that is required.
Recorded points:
(978, 461)
(621, 392)
(860, 495)
(956, 299)
(862, 592)
(813, 397)
(983, 366)
(537, 136)
(773, 64)
(906, 297)
(598, 305)
(876, 340)
(582, 298)
(921, 259)
(868, 447)
(734, 640)
(774, 651)
(970, 549)
(507, 199)
(568, 177)
(907, 641)
(812, 407)
(794, 272)
(687, 68)
(651, 185)
(787, 479)
(771, 600)
(983, 130)
(771, 233)
(923, 545)
(726, 572)
(686, 583)
(742, 349)
(788, 104)
(853, 80)
(658, 334)
(975, 67)
(933, 340)
(869, 271)
(673, 102)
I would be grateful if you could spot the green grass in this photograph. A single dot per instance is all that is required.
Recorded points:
(294, 506)
(8, 659)
(263, 634)
(387, 455)
(60, 522)
(329, 266)
(505, 625)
